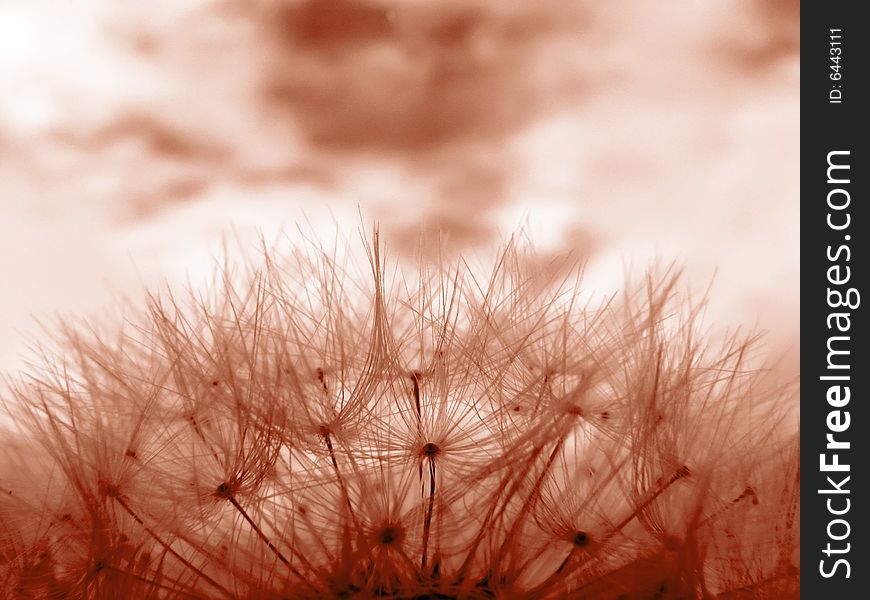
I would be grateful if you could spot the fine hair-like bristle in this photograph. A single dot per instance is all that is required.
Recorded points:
(304, 431)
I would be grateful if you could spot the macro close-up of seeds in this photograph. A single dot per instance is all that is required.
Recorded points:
(316, 428)
(413, 299)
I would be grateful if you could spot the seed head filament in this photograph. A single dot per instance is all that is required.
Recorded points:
(225, 491)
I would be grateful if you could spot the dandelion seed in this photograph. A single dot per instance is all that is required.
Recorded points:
(389, 535)
(311, 428)
(430, 450)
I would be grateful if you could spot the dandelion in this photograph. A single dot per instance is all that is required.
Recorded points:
(312, 429)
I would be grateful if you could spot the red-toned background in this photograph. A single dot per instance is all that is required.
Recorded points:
(133, 135)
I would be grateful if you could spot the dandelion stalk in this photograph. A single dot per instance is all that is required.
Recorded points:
(225, 491)
(431, 449)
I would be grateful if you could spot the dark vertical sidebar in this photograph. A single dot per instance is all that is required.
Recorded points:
(835, 369)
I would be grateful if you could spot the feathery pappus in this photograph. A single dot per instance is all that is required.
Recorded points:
(311, 427)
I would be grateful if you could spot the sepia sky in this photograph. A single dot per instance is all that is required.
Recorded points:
(133, 136)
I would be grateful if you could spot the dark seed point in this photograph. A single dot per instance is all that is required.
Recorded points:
(224, 490)
(580, 539)
(110, 489)
(389, 535)
(605, 415)
(431, 449)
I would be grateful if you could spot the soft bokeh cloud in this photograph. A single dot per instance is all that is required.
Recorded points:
(133, 137)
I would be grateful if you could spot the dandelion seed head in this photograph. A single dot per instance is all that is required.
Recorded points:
(574, 410)
(312, 427)
(109, 489)
(390, 535)
(580, 539)
(430, 450)
(224, 491)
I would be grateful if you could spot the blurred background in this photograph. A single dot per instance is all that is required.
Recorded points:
(134, 135)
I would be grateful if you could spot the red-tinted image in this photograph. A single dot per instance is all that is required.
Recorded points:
(408, 299)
